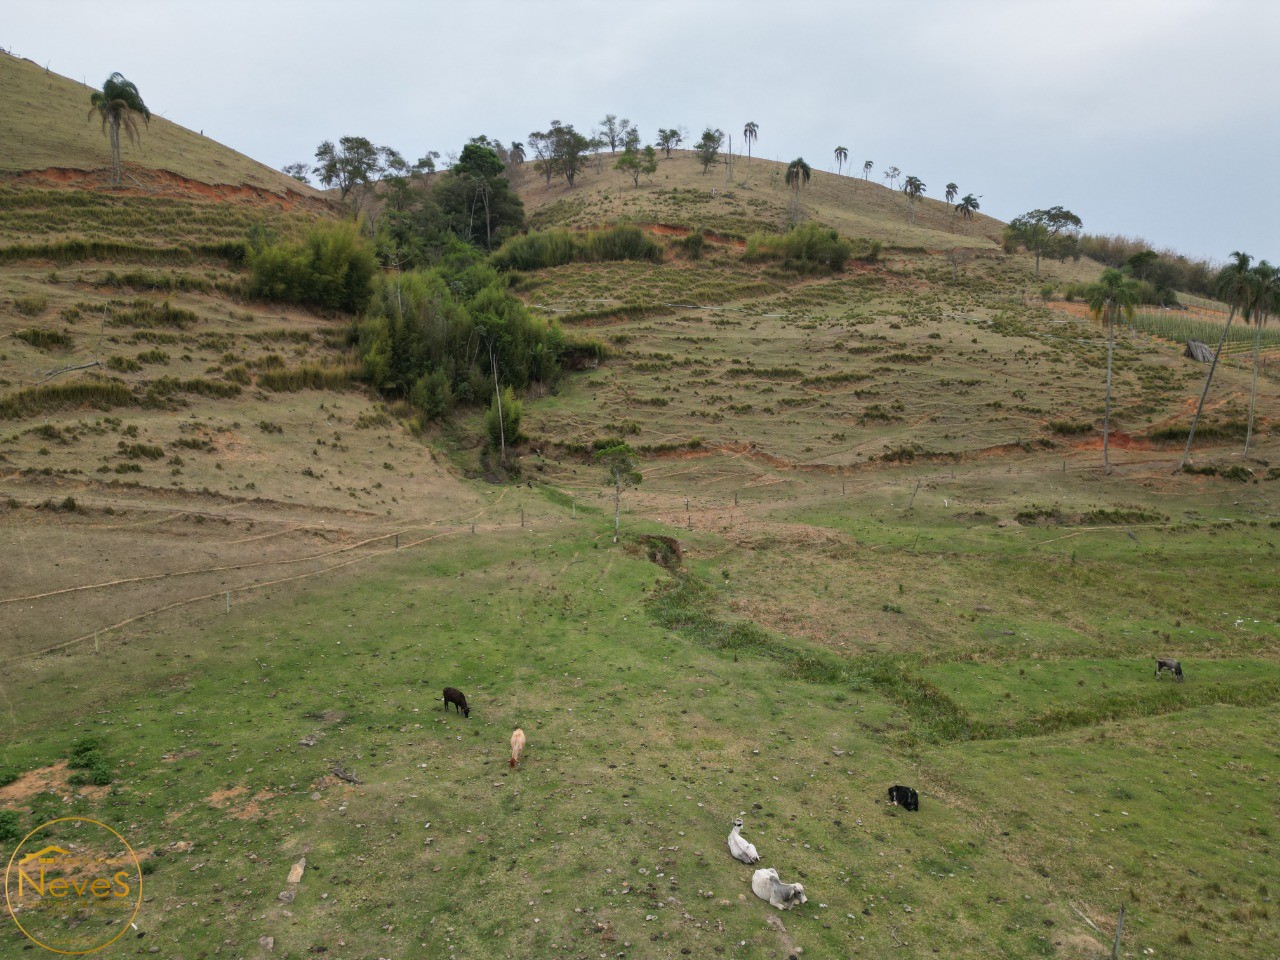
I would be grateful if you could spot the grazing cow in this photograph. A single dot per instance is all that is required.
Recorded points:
(1173, 666)
(517, 746)
(458, 700)
(904, 796)
(766, 885)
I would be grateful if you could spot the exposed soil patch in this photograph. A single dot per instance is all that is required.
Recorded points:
(52, 779)
(143, 182)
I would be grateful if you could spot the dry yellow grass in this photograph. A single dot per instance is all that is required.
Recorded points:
(47, 125)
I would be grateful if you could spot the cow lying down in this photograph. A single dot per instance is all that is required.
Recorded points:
(766, 885)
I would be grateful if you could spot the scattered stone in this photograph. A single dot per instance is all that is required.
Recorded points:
(287, 896)
(267, 943)
(296, 871)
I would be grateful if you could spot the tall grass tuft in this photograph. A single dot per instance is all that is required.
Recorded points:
(100, 394)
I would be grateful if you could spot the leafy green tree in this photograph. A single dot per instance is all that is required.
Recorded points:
(1266, 290)
(561, 151)
(636, 163)
(749, 133)
(914, 188)
(118, 103)
(1040, 230)
(707, 149)
(1234, 285)
(1115, 292)
(669, 140)
(617, 133)
(952, 190)
(797, 176)
(354, 165)
(842, 155)
(866, 169)
(299, 171)
(622, 470)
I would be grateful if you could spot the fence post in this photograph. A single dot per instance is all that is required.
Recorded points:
(228, 601)
(397, 541)
(522, 516)
(1115, 946)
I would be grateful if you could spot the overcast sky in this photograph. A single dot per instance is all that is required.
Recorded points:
(1152, 118)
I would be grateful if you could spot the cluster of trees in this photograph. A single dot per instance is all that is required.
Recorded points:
(1252, 291)
(331, 268)
(1163, 269)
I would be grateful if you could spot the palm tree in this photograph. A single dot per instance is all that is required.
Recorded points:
(1114, 292)
(866, 169)
(842, 154)
(517, 152)
(914, 188)
(1233, 287)
(798, 174)
(968, 206)
(1266, 301)
(749, 133)
(117, 103)
(952, 190)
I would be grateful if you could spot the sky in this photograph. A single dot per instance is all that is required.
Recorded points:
(1150, 118)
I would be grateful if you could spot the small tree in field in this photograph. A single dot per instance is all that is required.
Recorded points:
(635, 163)
(669, 140)
(622, 470)
(842, 157)
(708, 148)
(866, 169)
(1040, 231)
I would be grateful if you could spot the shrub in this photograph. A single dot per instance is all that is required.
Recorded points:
(44, 339)
(10, 828)
(332, 268)
(101, 394)
(433, 395)
(804, 249)
(123, 364)
(309, 376)
(31, 306)
(554, 248)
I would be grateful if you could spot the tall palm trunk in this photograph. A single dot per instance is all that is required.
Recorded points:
(1106, 416)
(116, 174)
(1253, 396)
(1205, 392)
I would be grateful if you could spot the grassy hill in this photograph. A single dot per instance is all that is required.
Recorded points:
(234, 570)
(47, 128)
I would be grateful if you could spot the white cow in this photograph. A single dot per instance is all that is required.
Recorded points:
(766, 885)
(740, 848)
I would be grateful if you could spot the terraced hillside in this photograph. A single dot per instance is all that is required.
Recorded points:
(237, 579)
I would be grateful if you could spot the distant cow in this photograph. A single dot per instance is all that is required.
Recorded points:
(904, 797)
(1173, 666)
(517, 746)
(458, 700)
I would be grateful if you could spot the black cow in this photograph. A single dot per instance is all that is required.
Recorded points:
(458, 700)
(1173, 666)
(905, 797)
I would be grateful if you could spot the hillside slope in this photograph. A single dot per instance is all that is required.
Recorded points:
(47, 126)
(754, 197)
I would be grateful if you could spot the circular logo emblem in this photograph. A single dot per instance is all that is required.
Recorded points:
(73, 886)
